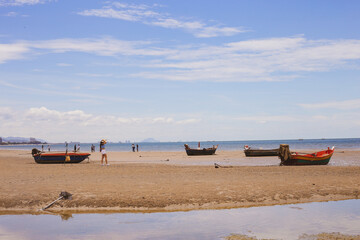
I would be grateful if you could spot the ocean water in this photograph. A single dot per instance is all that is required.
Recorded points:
(299, 144)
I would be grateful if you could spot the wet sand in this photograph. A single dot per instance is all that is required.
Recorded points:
(172, 181)
(320, 236)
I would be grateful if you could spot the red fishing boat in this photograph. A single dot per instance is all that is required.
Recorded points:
(317, 158)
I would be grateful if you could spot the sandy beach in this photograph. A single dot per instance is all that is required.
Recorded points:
(172, 181)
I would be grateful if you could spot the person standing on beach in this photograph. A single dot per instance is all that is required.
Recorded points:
(103, 153)
(137, 147)
(133, 147)
(49, 148)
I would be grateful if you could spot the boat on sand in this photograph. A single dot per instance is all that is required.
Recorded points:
(294, 158)
(200, 151)
(58, 157)
(256, 152)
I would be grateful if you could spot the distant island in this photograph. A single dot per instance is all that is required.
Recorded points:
(20, 140)
(150, 140)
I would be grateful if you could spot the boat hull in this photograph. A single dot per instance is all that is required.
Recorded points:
(299, 162)
(53, 158)
(319, 158)
(197, 152)
(261, 152)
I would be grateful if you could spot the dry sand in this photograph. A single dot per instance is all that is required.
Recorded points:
(172, 181)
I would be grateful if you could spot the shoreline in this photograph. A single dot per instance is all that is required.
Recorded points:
(171, 181)
(177, 208)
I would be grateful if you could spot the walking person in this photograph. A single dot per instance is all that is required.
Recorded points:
(103, 153)
(133, 147)
(137, 147)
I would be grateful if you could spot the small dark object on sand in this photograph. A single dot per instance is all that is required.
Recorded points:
(62, 195)
(219, 166)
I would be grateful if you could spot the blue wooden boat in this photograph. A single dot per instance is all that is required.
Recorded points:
(58, 157)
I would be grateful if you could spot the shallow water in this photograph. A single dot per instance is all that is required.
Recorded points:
(275, 222)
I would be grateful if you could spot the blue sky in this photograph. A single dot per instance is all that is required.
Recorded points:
(179, 70)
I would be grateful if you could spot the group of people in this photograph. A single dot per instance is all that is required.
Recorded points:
(77, 149)
(104, 154)
(42, 148)
(133, 147)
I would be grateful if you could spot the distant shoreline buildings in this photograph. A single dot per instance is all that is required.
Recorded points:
(20, 140)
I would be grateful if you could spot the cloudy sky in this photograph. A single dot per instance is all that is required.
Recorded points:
(179, 70)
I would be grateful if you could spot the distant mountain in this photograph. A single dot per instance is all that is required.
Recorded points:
(19, 139)
(150, 140)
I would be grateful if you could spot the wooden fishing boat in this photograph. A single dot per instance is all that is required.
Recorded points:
(200, 151)
(250, 152)
(317, 158)
(58, 157)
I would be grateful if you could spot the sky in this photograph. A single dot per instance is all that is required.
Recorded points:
(179, 70)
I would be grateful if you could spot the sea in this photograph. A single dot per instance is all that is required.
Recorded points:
(298, 144)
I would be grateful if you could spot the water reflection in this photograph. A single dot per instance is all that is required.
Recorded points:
(275, 222)
(66, 216)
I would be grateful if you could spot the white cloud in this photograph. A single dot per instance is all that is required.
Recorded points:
(6, 113)
(22, 2)
(111, 13)
(43, 114)
(58, 126)
(95, 75)
(12, 51)
(103, 46)
(188, 121)
(267, 119)
(51, 90)
(270, 44)
(141, 13)
(341, 105)
(11, 14)
(162, 120)
(273, 59)
(213, 31)
(64, 64)
(54, 125)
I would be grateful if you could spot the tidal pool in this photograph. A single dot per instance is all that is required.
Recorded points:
(272, 222)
